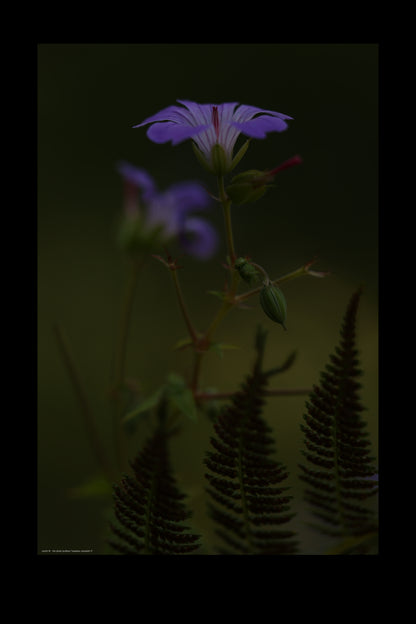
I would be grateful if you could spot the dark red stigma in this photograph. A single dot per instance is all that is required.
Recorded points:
(216, 121)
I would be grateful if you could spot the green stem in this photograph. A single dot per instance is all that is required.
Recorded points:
(234, 299)
(81, 394)
(207, 396)
(227, 305)
(276, 282)
(196, 370)
(226, 204)
(192, 332)
(120, 360)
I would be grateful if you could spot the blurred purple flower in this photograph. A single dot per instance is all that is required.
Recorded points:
(168, 212)
(212, 124)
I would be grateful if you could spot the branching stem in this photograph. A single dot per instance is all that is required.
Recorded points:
(226, 204)
(218, 396)
(192, 332)
(120, 360)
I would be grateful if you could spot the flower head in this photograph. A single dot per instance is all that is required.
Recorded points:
(156, 217)
(213, 125)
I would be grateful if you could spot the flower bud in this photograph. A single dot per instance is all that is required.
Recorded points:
(134, 237)
(273, 303)
(246, 270)
(247, 187)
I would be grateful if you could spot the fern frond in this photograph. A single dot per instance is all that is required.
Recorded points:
(149, 506)
(339, 471)
(248, 501)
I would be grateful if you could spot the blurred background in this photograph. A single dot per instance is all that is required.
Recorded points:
(89, 97)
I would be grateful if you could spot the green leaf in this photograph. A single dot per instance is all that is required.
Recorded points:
(144, 406)
(201, 158)
(219, 347)
(240, 154)
(182, 344)
(94, 487)
(177, 394)
(217, 293)
(181, 397)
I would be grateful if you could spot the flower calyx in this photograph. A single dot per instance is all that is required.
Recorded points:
(217, 163)
(250, 185)
(135, 237)
(246, 187)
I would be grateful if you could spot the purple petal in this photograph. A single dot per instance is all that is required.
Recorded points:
(198, 238)
(178, 123)
(138, 177)
(188, 196)
(171, 207)
(172, 113)
(162, 212)
(171, 131)
(244, 113)
(258, 127)
(197, 114)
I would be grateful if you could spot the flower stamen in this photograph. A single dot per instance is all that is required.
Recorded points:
(216, 121)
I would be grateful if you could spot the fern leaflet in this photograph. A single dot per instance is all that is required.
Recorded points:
(250, 505)
(149, 506)
(339, 472)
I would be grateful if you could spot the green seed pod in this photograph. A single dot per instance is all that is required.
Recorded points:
(273, 303)
(246, 270)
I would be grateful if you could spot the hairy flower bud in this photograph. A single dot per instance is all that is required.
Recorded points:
(246, 270)
(134, 237)
(247, 187)
(273, 303)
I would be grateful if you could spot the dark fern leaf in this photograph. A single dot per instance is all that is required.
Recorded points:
(149, 506)
(339, 473)
(248, 499)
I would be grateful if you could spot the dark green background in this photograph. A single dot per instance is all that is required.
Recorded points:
(89, 97)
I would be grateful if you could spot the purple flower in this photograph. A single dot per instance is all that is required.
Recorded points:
(153, 216)
(213, 124)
